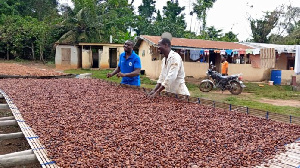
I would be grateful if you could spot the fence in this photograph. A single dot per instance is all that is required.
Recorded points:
(242, 109)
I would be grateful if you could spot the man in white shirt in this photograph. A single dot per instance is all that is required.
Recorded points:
(172, 73)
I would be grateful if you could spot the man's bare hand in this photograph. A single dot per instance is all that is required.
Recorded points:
(152, 94)
(109, 75)
(120, 74)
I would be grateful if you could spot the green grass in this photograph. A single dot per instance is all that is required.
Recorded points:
(252, 100)
(101, 74)
(287, 110)
(272, 91)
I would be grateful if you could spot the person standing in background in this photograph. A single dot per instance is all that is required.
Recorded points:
(224, 67)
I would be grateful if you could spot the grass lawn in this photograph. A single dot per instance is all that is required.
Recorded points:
(250, 97)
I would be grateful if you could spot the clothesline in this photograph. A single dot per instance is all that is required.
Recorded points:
(223, 52)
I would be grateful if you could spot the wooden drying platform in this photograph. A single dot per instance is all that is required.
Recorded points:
(37, 151)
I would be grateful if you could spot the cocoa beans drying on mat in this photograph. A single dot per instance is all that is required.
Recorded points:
(10, 69)
(90, 123)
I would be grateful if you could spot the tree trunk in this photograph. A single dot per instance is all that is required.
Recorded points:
(204, 21)
(7, 51)
(32, 50)
(41, 54)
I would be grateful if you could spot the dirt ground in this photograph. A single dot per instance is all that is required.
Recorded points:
(292, 103)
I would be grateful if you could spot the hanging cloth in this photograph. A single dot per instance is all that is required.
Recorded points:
(256, 51)
(222, 52)
(242, 51)
(228, 52)
(206, 52)
(249, 51)
(217, 51)
(297, 60)
(201, 52)
(194, 55)
(235, 52)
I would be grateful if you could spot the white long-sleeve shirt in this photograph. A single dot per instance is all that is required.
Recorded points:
(172, 74)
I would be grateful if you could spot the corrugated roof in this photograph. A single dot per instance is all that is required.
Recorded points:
(279, 48)
(197, 43)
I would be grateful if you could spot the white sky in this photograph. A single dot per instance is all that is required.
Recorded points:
(227, 14)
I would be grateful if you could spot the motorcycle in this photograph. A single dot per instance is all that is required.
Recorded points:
(233, 83)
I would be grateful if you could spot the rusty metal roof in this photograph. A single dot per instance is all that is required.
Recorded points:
(196, 43)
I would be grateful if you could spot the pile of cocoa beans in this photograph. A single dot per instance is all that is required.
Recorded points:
(90, 123)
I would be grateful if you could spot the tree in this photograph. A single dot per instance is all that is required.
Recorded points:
(201, 8)
(211, 33)
(145, 17)
(116, 18)
(229, 37)
(35, 8)
(81, 24)
(146, 9)
(172, 11)
(41, 9)
(172, 20)
(289, 23)
(261, 28)
(18, 34)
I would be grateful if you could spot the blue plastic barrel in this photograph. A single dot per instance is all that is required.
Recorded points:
(276, 77)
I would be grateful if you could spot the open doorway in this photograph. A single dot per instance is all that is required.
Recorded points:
(113, 58)
(215, 59)
(290, 64)
(95, 59)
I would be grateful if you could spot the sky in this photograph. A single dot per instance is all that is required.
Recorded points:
(228, 15)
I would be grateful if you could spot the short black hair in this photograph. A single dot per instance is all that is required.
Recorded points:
(131, 41)
(165, 41)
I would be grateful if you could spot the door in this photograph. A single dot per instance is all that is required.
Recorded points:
(113, 58)
(65, 56)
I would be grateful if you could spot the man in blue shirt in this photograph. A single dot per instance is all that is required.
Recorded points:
(129, 66)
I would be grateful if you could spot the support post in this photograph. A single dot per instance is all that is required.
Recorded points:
(7, 118)
(267, 115)
(16, 161)
(14, 154)
(11, 135)
(4, 106)
(8, 122)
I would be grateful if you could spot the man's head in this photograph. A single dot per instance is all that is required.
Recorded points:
(223, 59)
(164, 46)
(128, 46)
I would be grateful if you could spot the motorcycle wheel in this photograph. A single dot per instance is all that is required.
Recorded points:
(236, 88)
(205, 86)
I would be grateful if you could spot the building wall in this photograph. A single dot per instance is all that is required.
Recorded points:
(74, 57)
(104, 57)
(286, 77)
(146, 60)
(248, 72)
(87, 59)
(281, 62)
(195, 69)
